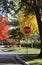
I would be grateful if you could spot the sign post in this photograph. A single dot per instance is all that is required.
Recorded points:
(26, 31)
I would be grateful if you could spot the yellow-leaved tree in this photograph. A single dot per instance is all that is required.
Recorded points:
(29, 21)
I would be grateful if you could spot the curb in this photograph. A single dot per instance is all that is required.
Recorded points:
(22, 61)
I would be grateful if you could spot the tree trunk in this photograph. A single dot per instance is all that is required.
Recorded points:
(38, 16)
(19, 45)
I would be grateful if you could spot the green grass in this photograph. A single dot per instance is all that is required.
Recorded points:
(32, 59)
(22, 49)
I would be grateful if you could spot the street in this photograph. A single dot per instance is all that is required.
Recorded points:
(8, 58)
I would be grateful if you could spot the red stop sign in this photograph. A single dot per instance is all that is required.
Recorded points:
(27, 30)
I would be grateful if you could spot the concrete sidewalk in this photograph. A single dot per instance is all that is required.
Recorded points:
(3, 51)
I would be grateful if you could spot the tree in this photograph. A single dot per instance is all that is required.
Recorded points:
(9, 8)
(16, 34)
(3, 28)
(37, 9)
(38, 16)
(29, 21)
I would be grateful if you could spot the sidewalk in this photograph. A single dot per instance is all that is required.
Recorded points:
(3, 51)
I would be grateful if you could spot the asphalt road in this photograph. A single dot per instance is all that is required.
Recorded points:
(8, 58)
(4, 60)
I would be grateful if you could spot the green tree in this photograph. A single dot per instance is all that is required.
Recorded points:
(16, 34)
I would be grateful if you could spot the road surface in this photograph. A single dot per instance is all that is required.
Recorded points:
(8, 58)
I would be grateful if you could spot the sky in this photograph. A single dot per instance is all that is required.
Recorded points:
(2, 11)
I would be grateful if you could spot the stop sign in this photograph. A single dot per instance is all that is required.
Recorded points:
(26, 30)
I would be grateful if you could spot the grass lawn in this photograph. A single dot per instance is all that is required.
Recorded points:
(22, 49)
(32, 59)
